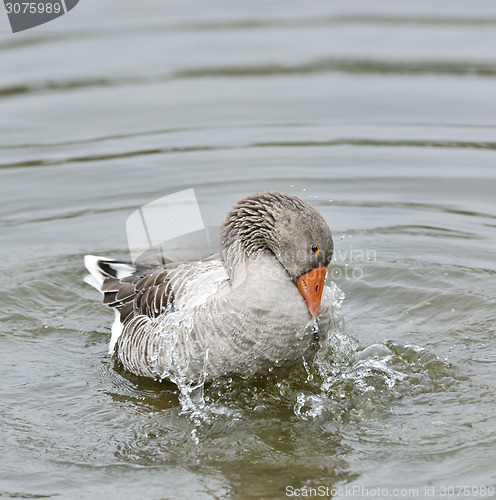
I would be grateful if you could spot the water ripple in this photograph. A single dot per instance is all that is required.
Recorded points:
(328, 65)
(356, 142)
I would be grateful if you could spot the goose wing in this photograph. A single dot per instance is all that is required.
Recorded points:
(143, 289)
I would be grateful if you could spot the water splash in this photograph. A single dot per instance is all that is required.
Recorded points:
(344, 382)
(350, 381)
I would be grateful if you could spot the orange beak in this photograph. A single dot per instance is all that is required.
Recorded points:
(311, 286)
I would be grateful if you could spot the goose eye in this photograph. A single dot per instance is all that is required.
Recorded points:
(315, 249)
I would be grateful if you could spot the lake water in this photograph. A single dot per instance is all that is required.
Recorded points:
(380, 114)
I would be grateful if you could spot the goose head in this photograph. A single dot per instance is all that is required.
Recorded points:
(286, 227)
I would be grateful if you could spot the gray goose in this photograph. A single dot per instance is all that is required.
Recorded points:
(254, 307)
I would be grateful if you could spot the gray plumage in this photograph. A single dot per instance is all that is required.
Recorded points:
(237, 313)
